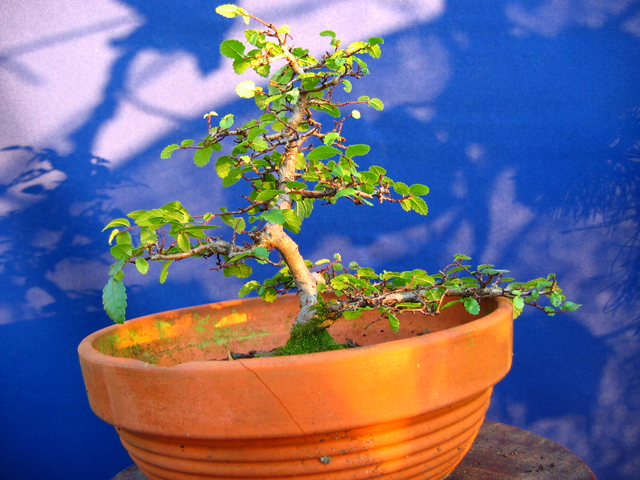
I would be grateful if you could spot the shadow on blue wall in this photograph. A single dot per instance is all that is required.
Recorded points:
(543, 108)
(49, 432)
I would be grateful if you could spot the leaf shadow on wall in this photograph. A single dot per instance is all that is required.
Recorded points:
(52, 260)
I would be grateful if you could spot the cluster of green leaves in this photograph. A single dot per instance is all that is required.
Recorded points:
(328, 171)
(186, 233)
(393, 294)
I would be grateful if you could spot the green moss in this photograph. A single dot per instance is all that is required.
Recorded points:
(161, 327)
(308, 338)
(201, 322)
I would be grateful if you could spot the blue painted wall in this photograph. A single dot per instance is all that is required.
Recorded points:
(522, 117)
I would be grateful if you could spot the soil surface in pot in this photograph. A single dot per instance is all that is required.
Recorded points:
(270, 353)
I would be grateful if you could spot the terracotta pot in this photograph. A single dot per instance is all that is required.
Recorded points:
(402, 406)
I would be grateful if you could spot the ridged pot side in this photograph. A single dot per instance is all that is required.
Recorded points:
(406, 408)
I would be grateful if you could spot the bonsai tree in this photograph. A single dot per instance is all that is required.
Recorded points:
(290, 163)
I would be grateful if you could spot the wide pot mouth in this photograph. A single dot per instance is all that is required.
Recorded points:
(197, 337)
(152, 374)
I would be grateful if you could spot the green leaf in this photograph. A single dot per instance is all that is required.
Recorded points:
(248, 287)
(255, 37)
(452, 303)
(345, 192)
(379, 171)
(409, 305)
(233, 49)
(259, 145)
(418, 189)
(241, 271)
(401, 188)
(240, 65)
(375, 41)
(260, 252)
(419, 205)
(202, 156)
(376, 103)
(268, 195)
(246, 89)
(237, 223)
(230, 11)
(118, 222)
(223, 166)
(226, 122)
(116, 267)
(492, 271)
(556, 299)
(255, 132)
(150, 218)
(183, 242)
(301, 52)
(274, 98)
(570, 306)
(292, 220)
(166, 153)
(516, 311)
(357, 150)
(121, 252)
(186, 143)
(328, 33)
(352, 315)
(322, 152)
(274, 216)
(165, 271)
(301, 162)
(347, 85)
(367, 272)
(355, 46)
(142, 265)
(269, 294)
(394, 323)
(114, 300)
(330, 137)
(304, 207)
(147, 236)
(123, 238)
(485, 265)
(113, 235)
(232, 177)
(293, 185)
(471, 305)
(518, 303)
(375, 51)
(363, 65)
(330, 109)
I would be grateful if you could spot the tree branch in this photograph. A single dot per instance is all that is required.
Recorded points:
(218, 247)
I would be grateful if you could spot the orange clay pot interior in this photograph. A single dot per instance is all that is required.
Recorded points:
(211, 331)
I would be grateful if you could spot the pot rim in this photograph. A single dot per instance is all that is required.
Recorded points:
(89, 353)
